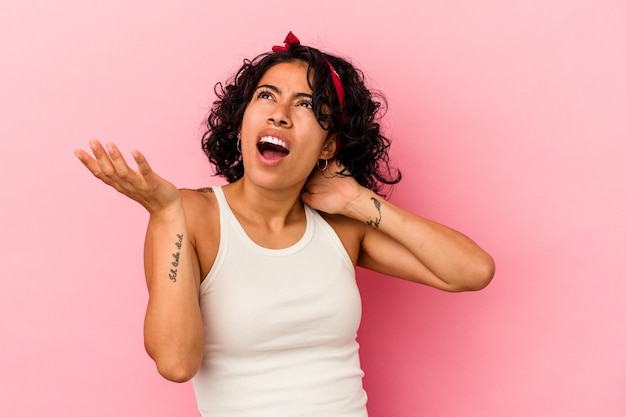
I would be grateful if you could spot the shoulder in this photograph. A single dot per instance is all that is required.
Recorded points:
(349, 231)
(198, 202)
(197, 194)
(202, 216)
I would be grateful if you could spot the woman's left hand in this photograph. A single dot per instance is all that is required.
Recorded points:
(331, 190)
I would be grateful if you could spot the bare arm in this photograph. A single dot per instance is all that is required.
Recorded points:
(173, 324)
(398, 243)
(402, 244)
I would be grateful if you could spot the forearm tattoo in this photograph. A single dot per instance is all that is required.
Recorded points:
(176, 256)
(376, 221)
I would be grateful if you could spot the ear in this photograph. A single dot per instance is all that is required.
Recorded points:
(330, 147)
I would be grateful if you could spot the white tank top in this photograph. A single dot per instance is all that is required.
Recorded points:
(280, 327)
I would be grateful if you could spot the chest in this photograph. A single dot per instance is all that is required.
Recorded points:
(302, 296)
(207, 237)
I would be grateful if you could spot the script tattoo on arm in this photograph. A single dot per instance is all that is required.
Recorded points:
(176, 256)
(376, 221)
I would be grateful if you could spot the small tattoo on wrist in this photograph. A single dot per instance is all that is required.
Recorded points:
(176, 256)
(376, 221)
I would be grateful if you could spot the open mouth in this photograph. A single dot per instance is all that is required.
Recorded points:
(272, 148)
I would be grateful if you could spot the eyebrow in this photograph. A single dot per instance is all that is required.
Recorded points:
(278, 91)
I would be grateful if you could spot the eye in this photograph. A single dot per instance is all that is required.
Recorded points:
(306, 104)
(264, 94)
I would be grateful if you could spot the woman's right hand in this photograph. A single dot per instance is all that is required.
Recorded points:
(144, 186)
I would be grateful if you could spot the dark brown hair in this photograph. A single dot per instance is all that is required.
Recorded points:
(362, 148)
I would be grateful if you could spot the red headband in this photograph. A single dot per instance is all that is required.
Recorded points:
(290, 41)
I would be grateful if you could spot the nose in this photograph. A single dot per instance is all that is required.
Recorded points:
(280, 115)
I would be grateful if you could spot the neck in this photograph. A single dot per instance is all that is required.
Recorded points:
(265, 206)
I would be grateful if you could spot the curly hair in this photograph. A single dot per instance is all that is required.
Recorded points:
(362, 149)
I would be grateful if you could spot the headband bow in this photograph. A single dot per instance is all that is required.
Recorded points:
(290, 41)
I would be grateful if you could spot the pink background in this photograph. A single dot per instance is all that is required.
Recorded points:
(508, 119)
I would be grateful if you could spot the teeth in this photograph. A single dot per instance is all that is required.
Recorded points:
(273, 141)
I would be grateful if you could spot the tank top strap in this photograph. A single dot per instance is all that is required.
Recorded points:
(224, 214)
(221, 199)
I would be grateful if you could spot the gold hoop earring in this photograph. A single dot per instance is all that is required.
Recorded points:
(325, 165)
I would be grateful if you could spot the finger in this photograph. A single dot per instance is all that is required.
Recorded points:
(83, 156)
(118, 161)
(90, 163)
(105, 166)
(142, 163)
(341, 170)
(305, 196)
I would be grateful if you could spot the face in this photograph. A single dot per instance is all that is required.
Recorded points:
(281, 140)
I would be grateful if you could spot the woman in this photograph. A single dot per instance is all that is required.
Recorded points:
(251, 285)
